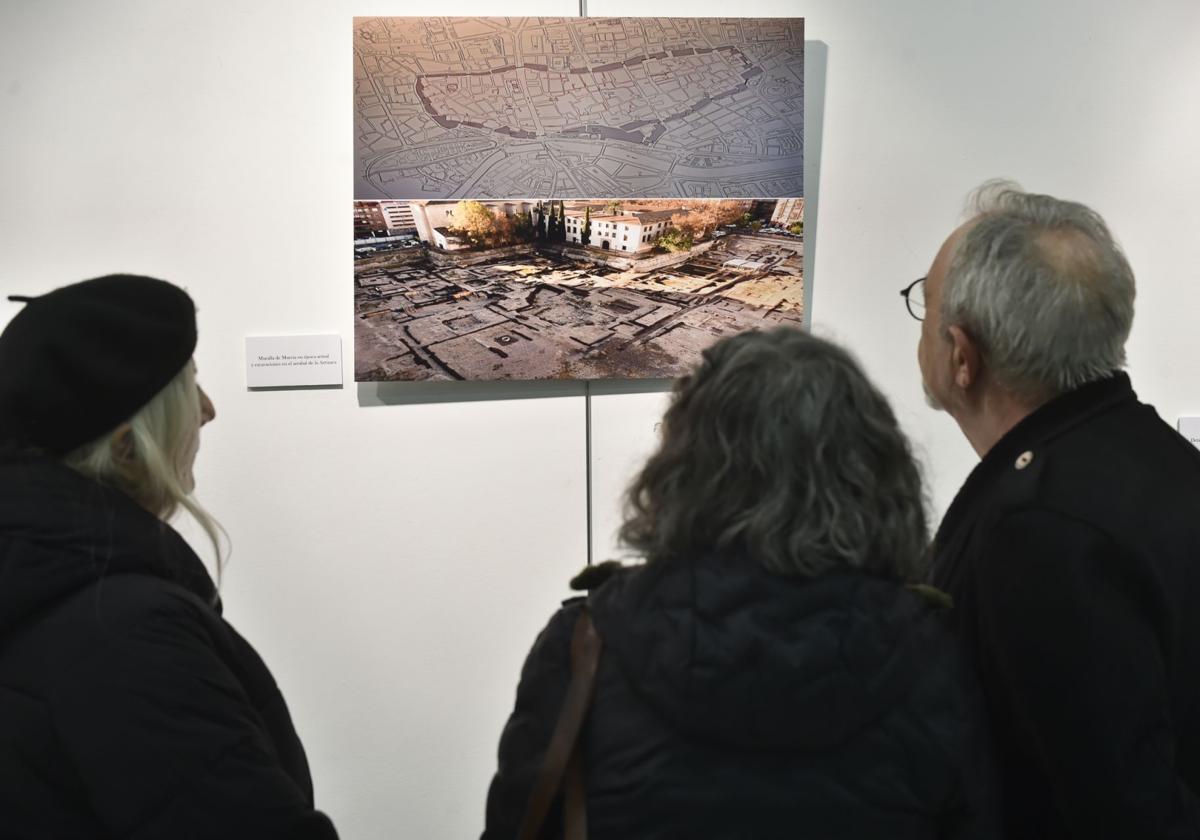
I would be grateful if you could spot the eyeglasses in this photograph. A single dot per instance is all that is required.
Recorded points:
(914, 298)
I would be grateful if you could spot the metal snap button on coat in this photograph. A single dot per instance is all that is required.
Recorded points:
(1023, 459)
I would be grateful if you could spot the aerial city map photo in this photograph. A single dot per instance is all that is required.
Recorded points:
(573, 198)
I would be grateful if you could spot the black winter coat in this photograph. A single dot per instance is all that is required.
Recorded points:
(128, 707)
(1073, 554)
(732, 704)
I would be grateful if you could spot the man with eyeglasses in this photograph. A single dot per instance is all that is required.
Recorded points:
(1073, 549)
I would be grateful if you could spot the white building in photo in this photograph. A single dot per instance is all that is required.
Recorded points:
(788, 211)
(428, 216)
(398, 215)
(382, 218)
(631, 232)
(447, 241)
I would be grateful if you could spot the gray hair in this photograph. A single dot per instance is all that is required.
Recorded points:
(1044, 289)
(779, 449)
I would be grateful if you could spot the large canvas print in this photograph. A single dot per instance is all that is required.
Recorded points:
(541, 198)
(578, 107)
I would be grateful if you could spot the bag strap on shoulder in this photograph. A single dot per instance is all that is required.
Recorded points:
(564, 757)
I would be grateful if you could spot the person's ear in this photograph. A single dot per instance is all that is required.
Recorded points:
(965, 358)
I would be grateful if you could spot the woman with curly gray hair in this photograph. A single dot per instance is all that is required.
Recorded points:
(770, 671)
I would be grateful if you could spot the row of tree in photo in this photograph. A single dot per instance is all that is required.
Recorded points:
(546, 222)
(690, 222)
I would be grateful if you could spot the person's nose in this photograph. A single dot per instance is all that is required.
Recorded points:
(207, 411)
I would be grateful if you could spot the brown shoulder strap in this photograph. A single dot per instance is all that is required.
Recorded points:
(575, 797)
(585, 659)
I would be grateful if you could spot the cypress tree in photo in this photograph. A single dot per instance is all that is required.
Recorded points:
(585, 235)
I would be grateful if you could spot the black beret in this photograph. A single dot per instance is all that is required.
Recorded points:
(77, 362)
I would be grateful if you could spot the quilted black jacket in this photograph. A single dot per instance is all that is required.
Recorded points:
(733, 703)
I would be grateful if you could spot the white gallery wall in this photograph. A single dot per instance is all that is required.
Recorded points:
(397, 547)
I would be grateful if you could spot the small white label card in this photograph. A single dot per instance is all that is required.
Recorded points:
(293, 361)
(1189, 427)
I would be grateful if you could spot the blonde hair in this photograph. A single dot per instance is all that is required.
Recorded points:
(144, 464)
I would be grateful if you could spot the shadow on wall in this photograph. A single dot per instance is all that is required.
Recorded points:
(372, 394)
(816, 60)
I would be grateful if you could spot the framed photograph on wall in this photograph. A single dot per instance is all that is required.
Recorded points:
(579, 198)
